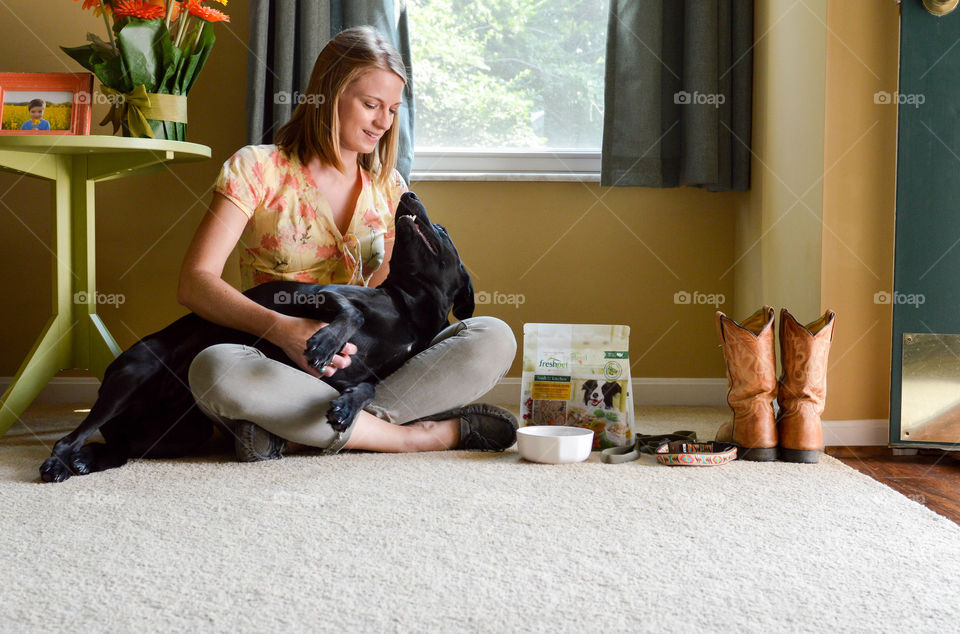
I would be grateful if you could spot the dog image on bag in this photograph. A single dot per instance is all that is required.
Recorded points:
(597, 395)
(145, 409)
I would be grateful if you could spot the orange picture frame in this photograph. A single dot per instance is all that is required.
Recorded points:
(62, 113)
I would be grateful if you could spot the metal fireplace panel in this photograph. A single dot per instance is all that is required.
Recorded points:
(930, 396)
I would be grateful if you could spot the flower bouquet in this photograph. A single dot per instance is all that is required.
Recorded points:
(154, 52)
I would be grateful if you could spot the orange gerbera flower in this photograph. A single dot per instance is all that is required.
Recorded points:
(177, 9)
(95, 5)
(138, 9)
(206, 13)
(163, 5)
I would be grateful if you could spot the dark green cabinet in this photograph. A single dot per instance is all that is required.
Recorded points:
(925, 368)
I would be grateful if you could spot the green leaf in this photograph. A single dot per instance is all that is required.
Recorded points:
(170, 60)
(182, 60)
(103, 49)
(141, 46)
(111, 73)
(198, 58)
(84, 55)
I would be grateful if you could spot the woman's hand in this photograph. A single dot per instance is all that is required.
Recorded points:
(203, 291)
(291, 334)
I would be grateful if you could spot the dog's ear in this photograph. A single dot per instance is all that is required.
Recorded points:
(588, 386)
(463, 302)
(612, 388)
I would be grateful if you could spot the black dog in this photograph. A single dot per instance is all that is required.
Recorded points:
(594, 394)
(145, 409)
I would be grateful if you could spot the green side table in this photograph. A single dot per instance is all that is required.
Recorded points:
(75, 336)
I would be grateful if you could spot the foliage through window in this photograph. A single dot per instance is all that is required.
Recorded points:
(508, 74)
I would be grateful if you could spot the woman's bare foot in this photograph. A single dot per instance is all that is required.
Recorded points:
(374, 434)
(437, 435)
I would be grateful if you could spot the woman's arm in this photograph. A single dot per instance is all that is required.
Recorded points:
(202, 290)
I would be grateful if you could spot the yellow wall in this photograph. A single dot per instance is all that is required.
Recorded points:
(816, 231)
(779, 234)
(574, 258)
(858, 203)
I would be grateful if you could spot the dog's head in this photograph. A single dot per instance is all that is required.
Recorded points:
(424, 257)
(592, 396)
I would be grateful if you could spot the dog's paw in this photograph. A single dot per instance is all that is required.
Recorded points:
(321, 350)
(341, 413)
(55, 469)
(82, 459)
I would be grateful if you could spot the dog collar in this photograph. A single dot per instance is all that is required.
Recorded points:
(697, 454)
(643, 443)
(678, 448)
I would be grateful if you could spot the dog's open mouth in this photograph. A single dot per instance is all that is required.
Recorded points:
(416, 226)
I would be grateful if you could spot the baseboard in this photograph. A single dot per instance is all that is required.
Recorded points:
(669, 391)
(712, 392)
(63, 389)
(675, 391)
(646, 392)
(871, 432)
(679, 391)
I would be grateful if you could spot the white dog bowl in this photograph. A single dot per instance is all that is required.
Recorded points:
(554, 444)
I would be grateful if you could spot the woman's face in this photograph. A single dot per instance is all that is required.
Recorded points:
(367, 109)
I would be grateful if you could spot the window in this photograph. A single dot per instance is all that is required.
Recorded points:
(508, 89)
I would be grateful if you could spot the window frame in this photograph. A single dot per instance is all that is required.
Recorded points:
(458, 164)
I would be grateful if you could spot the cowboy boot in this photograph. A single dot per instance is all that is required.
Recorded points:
(802, 391)
(750, 355)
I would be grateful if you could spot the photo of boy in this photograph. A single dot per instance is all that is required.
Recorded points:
(36, 120)
(30, 111)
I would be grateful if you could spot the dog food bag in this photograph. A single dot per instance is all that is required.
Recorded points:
(578, 375)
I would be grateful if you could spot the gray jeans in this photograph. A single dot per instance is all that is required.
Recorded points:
(233, 382)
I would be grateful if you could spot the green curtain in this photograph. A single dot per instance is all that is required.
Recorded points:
(678, 94)
(285, 38)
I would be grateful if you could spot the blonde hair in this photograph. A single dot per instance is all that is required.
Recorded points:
(314, 126)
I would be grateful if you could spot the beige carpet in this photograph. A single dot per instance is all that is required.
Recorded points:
(465, 541)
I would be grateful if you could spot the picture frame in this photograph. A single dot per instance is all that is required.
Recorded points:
(65, 109)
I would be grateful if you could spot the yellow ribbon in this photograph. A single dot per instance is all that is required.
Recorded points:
(138, 105)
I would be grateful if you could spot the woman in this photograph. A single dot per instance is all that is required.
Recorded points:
(317, 206)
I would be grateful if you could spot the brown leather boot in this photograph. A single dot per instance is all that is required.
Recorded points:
(802, 390)
(748, 349)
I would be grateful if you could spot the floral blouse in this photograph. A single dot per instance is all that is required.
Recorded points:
(291, 234)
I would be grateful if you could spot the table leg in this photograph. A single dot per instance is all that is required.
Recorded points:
(52, 350)
(75, 336)
(103, 349)
(93, 346)
(49, 354)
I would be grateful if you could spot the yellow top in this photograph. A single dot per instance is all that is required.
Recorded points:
(291, 234)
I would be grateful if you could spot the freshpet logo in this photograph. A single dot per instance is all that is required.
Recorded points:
(553, 362)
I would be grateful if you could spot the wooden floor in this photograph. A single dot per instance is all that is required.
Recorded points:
(931, 478)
